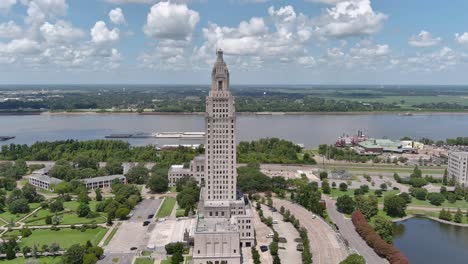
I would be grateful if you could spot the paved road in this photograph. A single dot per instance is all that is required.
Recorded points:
(132, 233)
(325, 245)
(285, 229)
(348, 231)
(113, 258)
(261, 232)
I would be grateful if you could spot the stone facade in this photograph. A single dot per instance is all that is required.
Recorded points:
(225, 220)
(195, 170)
(458, 167)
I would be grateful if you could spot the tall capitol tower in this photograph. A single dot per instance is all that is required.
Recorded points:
(220, 142)
(224, 223)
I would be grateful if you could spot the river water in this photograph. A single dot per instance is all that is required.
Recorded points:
(310, 130)
(426, 241)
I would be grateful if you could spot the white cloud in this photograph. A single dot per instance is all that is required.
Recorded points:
(39, 10)
(435, 61)
(462, 38)
(5, 5)
(130, 1)
(116, 16)
(254, 27)
(171, 21)
(350, 18)
(60, 32)
(20, 46)
(423, 40)
(100, 34)
(307, 61)
(10, 30)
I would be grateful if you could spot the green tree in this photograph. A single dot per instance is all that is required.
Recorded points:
(354, 259)
(345, 204)
(122, 213)
(445, 178)
(326, 187)
(83, 210)
(417, 173)
(56, 206)
(19, 206)
(445, 215)
(158, 183)
(385, 228)
(323, 175)
(367, 205)
(138, 174)
(394, 205)
(114, 166)
(458, 217)
(74, 254)
(98, 193)
(343, 187)
(436, 198)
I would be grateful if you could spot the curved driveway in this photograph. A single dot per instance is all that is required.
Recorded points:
(325, 245)
(348, 231)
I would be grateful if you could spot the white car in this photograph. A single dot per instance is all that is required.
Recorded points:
(271, 235)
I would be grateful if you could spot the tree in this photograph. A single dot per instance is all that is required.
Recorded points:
(417, 182)
(384, 227)
(56, 206)
(19, 206)
(10, 248)
(25, 232)
(326, 187)
(26, 250)
(406, 196)
(458, 216)
(354, 259)
(333, 185)
(343, 187)
(158, 183)
(74, 254)
(445, 178)
(364, 188)
(419, 193)
(383, 186)
(83, 210)
(397, 177)
(394, 205)
(445, 215)
(63, 188)
(98, 193)
(137, 174)
(367, 205)
(436, 198)
(30, 193)
(122, 213)
(114, 167)
(417, 173)
(89, 259)
(323, 175)
(48, 220)
(54, 248)
(345, 204)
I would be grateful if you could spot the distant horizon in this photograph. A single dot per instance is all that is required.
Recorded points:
(236, 85)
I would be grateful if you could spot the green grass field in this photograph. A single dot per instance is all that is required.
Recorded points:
(109, 238)
(42, 260)
(462, 204)
(335, 193)
(180, 212)
(65, 237)
(7, 216)
(166, 207)
(68, 218)
(144, 261)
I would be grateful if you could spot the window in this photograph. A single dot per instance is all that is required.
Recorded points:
(220, 85)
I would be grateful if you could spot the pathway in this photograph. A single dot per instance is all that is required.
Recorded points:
(325, 244)
(348, 231)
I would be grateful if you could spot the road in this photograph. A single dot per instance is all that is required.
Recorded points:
(285, 229)
(348, 231)
(261, 232)
(325, 245)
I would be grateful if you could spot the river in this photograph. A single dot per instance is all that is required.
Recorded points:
(425, 241)
(308, 129)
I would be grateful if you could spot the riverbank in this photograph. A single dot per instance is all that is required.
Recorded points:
(397, 220)
(91, 112)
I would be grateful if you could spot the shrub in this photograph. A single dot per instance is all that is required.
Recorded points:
(345, 204)
(343, 187)
(436, 198)
(382, 248)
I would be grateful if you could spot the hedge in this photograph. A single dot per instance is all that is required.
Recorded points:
(382, 248)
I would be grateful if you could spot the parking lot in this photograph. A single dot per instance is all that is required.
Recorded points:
(285, 229)
(132, 233)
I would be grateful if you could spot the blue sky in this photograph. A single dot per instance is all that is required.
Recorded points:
(265, 41)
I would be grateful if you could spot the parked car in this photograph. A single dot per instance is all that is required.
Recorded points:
(264, 248)
(275, 222)
(145, 223)
(150, 216)
(271, 235)
(133, 248)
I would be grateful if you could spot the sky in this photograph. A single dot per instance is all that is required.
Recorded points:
(264, 41)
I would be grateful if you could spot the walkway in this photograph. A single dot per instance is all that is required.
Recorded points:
(261, 232)
(325, 245)
(348, 231)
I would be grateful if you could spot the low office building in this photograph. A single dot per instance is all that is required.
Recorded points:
(103, 181)
(458, 167)
(43, 181)
(196, 170)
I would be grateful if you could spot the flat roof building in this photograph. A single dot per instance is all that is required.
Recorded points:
(458, 167)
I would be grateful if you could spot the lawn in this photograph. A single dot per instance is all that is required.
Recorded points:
(7, 216)
(144, 261)
(180, 212)
(462, 204)
(436, 214)
(169, 260)
(166, 207)
(111, 235)
(335, 193)
(42, 260)
(69, 218)
(65, 237)
(73, 205)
